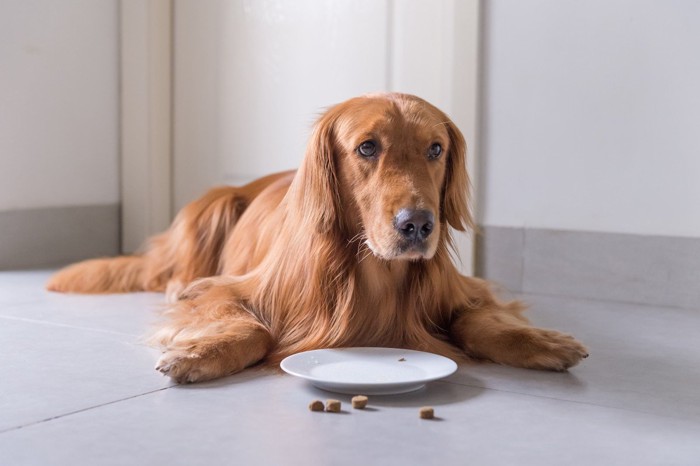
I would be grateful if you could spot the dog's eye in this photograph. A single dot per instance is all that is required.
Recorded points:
(434, 151)
(367, 149)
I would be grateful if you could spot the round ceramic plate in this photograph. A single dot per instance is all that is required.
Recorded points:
(368, 371)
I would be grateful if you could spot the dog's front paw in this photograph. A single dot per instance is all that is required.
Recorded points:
(185, 367)
(548, 349)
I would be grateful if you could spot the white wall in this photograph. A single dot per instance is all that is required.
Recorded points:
(592, 116)
(58, 103)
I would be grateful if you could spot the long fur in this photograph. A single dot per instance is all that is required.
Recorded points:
(295, 260)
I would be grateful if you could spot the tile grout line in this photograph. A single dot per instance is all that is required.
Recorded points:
(59, 416)
(58, 324)
(587, 403)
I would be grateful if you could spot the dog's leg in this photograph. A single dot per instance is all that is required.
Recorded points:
(488, 329)
(210, 336)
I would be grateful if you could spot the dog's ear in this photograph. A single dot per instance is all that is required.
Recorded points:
(315, 189)
(455, 204)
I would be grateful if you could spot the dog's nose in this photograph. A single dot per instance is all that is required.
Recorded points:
(414, 225)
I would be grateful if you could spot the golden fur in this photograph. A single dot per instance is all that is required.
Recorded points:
(314, 259)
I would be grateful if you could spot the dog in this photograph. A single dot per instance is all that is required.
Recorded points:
(353, 249)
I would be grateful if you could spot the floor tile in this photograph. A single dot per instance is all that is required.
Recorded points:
(133, 314)
(643, 358)
(49, 370)
(22, 286)
(257, 418)
(23, 298)
(77, 388)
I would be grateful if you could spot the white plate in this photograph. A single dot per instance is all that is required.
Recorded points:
(368, 371)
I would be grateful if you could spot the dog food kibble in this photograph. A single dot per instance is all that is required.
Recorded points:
(316, 405)
(426, 412)
(359, 402)
(332, 406)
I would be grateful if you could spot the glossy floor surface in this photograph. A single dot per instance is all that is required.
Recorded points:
(78, 388)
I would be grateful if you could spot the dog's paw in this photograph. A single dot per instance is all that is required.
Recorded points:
(549, 350)
(185, 367)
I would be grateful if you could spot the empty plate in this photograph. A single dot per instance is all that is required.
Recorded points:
(368, 371)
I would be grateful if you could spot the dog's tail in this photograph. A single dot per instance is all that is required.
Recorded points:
(107, 275)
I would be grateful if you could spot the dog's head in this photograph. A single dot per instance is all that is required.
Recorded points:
(387, 168)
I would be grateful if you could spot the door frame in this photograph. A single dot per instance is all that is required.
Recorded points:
(146, 31)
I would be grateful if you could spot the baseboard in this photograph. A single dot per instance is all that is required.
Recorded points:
(657, 270)
(54, 236)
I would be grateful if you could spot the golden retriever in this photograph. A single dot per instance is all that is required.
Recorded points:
(351, 250)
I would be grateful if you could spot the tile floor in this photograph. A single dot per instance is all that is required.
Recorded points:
(78, 388)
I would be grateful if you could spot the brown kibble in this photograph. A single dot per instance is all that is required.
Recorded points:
(316, 405)
(332, 406)
(359, 402)
(426, 412)
(402, 360)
